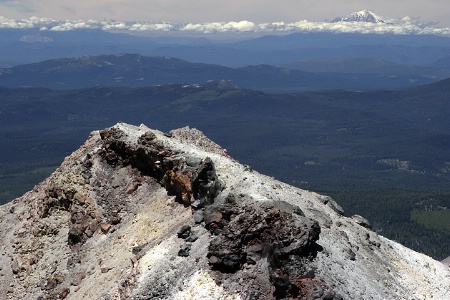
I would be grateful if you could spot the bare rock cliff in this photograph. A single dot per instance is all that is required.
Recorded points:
(138, 214)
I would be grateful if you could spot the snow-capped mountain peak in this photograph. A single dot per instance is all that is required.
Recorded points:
(360, 16)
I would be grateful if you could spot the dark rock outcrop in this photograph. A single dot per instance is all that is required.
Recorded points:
(245, 233)
(189, 178)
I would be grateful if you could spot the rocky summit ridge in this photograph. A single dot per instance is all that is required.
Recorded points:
(135, 213)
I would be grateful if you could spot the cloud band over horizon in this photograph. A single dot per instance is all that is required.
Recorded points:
(404, 26)
(208, 11)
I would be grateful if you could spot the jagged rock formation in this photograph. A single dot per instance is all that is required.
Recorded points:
(139, 214)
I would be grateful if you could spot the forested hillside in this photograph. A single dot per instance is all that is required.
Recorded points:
(383, 154)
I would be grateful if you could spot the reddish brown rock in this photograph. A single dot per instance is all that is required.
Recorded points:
(105, 228)
(212, 215)
(132, 187)
(64, 293)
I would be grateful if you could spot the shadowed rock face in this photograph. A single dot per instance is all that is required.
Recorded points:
(138, 214)
(245, 233)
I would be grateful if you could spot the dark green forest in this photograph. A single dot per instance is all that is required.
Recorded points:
(382, 154)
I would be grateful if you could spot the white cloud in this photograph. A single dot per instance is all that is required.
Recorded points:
(242, 26)
(149, 27)
(406, 25)
(205, 11)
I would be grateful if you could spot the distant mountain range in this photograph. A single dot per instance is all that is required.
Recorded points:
(369, 65)
(31, 45)
(134, 70)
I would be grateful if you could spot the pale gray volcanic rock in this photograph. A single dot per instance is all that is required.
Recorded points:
(139, 214)
(446, 261)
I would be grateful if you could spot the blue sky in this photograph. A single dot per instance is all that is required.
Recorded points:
(257, 11)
